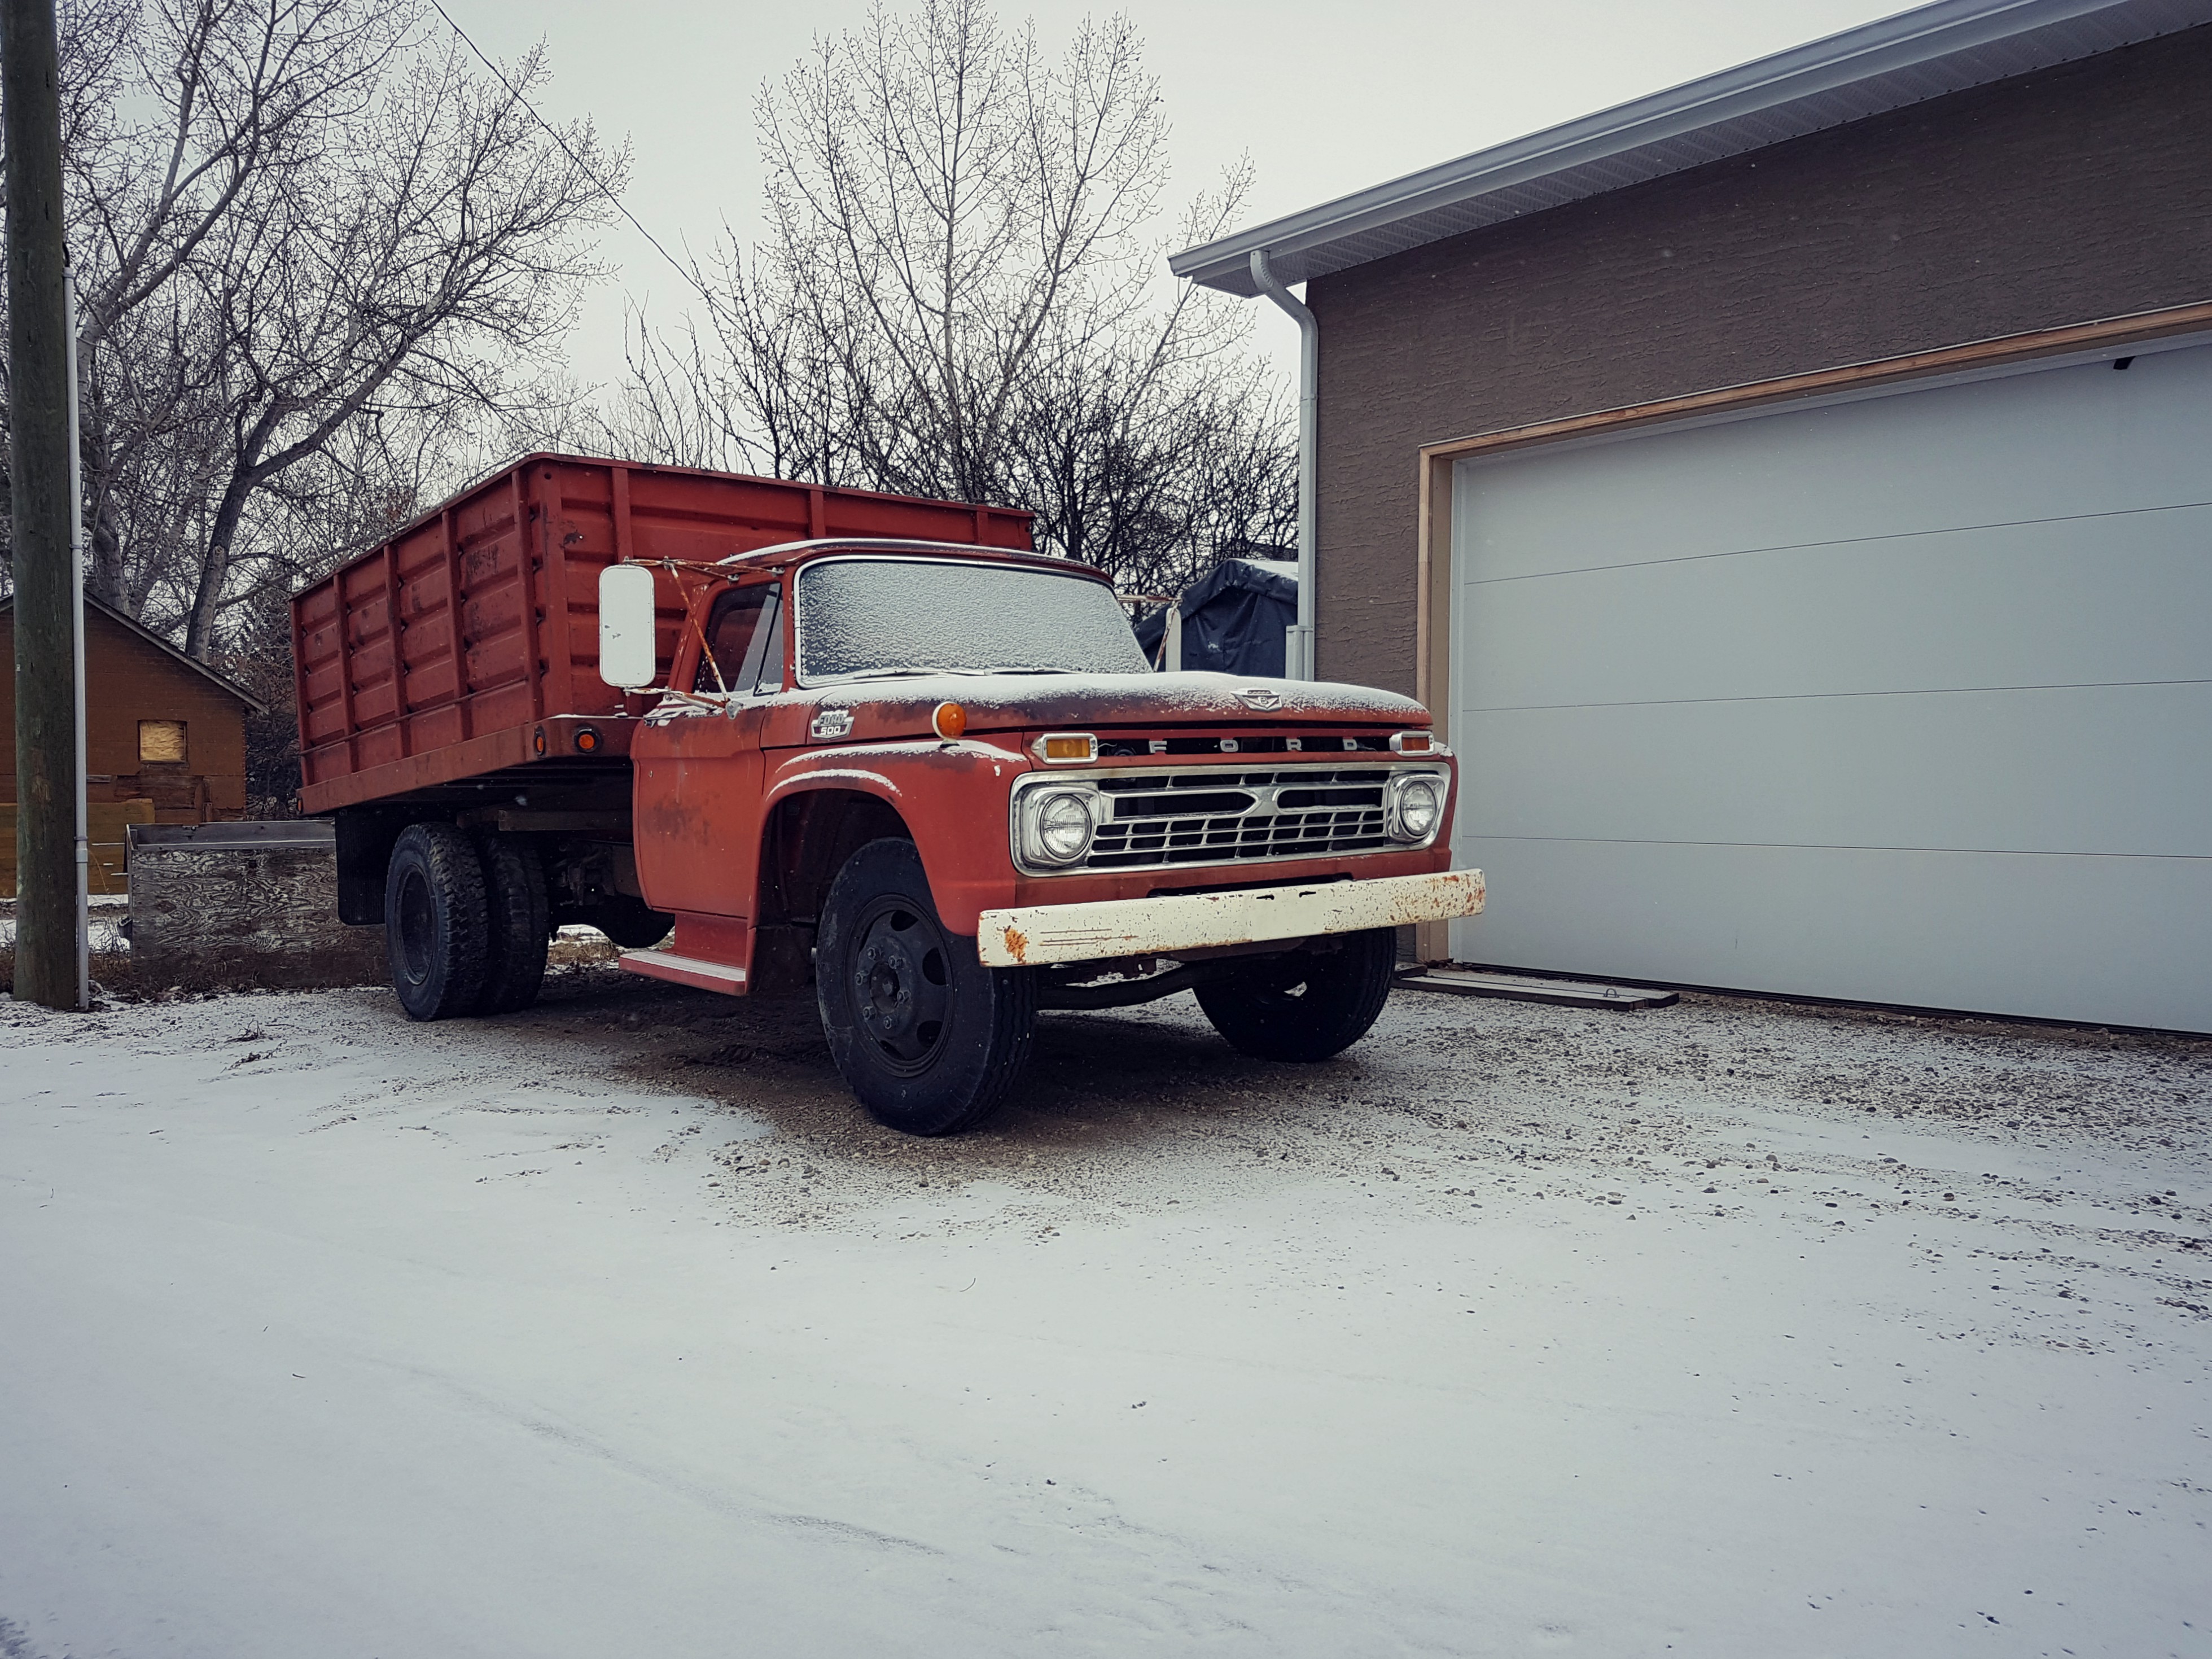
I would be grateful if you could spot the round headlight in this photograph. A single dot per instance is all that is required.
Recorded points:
(1063, 826)
(1420, 804)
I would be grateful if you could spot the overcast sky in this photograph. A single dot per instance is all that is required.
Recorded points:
(1326, 98)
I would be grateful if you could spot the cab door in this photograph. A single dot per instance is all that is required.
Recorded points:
(697, 764)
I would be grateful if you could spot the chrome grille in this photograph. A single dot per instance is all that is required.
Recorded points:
(1221, 816)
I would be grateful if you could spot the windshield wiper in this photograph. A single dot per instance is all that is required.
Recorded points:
(888, 674)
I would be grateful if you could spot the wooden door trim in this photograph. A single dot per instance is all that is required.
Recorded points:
(2107, 334)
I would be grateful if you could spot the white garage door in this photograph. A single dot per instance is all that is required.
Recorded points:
(1906, 699)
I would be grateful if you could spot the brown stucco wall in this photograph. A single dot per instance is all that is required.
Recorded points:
(2076, 193)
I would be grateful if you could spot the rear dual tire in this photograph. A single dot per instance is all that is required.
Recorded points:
(464, 922)
(435, 930)
(518, 923)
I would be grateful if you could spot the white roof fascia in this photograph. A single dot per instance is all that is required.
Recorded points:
(1883, 65)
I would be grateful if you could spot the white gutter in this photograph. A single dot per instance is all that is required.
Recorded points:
(1298, 638)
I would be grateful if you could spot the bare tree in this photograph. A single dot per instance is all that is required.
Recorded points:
(958, 295)
(326, 266)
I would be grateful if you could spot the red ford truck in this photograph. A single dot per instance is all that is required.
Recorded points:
(780, 739)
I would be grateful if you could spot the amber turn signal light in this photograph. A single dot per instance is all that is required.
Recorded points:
(587, 739)
(1412, 743)
(1068, 748)
(950, 719)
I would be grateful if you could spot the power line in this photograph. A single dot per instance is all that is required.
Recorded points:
(516, 93)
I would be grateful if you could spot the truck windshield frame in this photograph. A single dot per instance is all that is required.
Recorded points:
(1074, 641)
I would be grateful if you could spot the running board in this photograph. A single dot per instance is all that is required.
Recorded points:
(696, 972)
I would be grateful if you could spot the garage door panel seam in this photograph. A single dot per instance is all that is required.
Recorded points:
(1926, 532)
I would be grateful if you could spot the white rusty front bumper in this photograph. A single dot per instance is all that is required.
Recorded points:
(1032, 935)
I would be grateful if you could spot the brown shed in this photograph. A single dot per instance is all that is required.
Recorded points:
(165, 740)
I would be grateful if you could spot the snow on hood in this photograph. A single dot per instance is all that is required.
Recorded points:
(1012, 701)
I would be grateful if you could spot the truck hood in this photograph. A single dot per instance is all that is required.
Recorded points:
(887, 710)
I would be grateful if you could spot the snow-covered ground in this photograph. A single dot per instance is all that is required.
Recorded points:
(106, 916)
(1729, 1328)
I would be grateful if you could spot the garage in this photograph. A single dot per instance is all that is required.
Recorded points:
(1902, 698)
(1789, 493)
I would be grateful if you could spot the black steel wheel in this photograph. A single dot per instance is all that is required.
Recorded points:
(902, 984)
(518, 928)
(434, 932)
(929, 1038)
(1306, 1006)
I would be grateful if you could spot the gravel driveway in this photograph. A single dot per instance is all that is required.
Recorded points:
(1719, 1106)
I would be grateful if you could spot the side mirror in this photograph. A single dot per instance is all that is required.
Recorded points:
(628, 638)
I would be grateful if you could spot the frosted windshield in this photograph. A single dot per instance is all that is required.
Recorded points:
(858, 617)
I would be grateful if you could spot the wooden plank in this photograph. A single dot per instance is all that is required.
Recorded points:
(1560, 993)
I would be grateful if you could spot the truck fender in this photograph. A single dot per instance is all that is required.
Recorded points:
(932, 789)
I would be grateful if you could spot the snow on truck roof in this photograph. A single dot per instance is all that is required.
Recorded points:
(794, 552)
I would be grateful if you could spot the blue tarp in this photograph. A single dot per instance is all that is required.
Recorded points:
(1233, 619)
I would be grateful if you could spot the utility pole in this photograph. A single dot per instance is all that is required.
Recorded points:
(46, 774)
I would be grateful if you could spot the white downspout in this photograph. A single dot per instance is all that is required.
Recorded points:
(1298, 639)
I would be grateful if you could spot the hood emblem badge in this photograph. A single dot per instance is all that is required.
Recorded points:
(1260, 697)
(831, 723)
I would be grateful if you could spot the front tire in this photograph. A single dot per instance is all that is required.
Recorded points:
(434, 932)
(929, 1038)
(1302, 1006)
